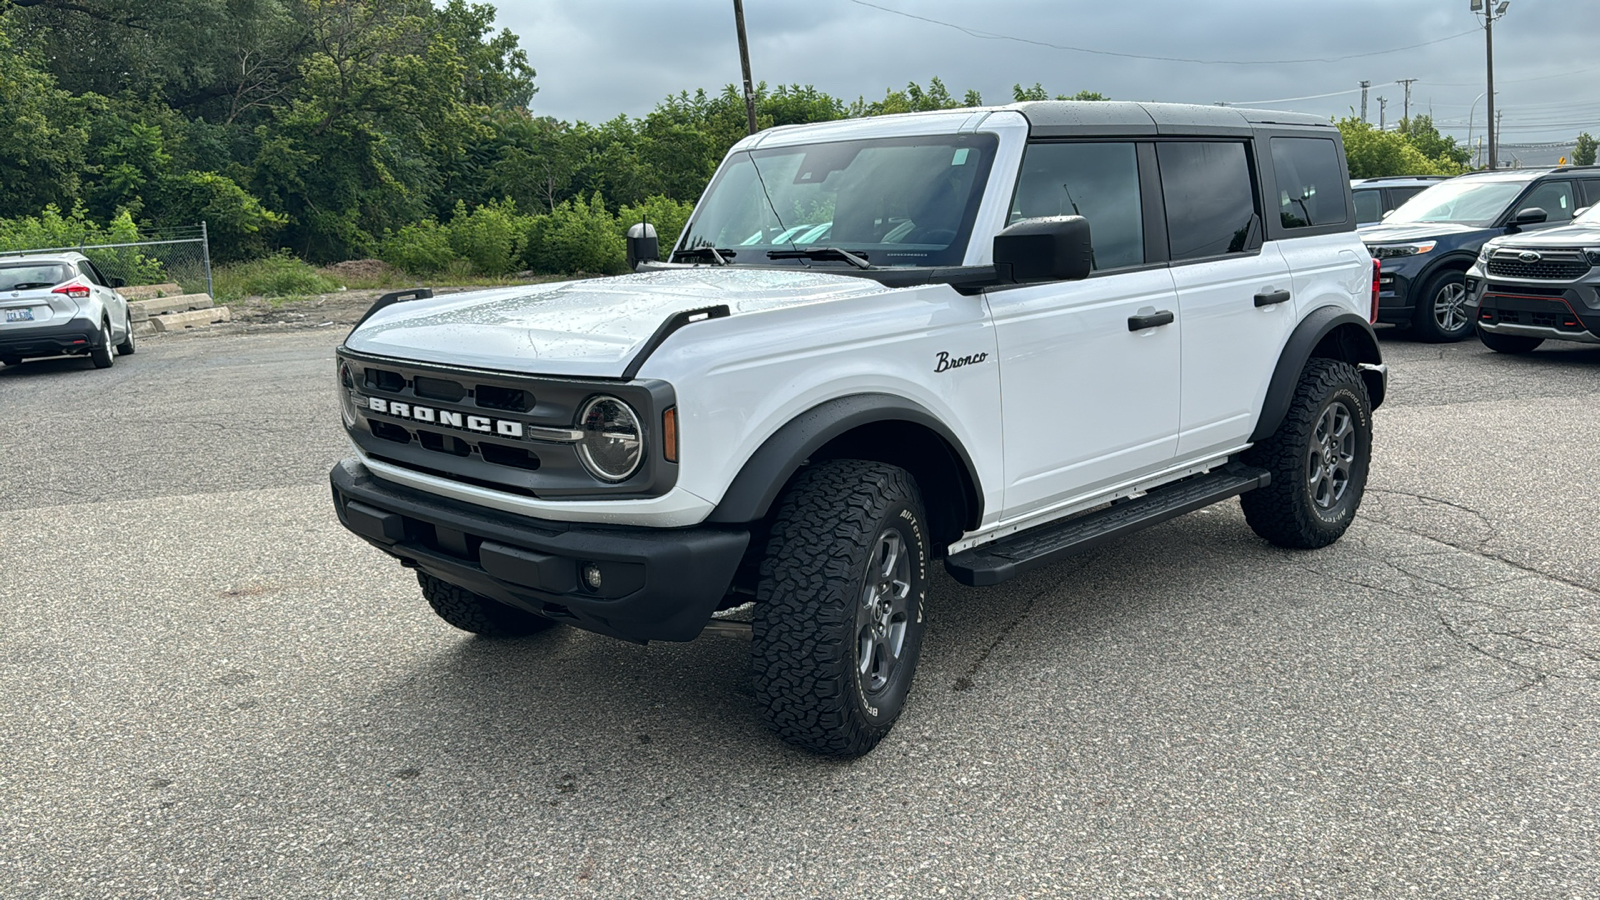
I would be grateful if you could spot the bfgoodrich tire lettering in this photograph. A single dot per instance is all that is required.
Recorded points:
(1318, 457)
(476, 613)
(839, 609)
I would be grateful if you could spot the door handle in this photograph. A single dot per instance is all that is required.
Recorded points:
(1267, 298)
(1140, 323)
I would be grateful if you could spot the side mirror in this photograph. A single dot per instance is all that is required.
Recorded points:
(1532, 215)
(1387, 213)
(1055, 248)
(113, 281)
(642, 245)
(1580, 211)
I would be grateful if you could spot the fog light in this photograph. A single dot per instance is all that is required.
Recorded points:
(591, 576)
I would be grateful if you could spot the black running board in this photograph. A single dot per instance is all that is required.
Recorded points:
(1011, 556)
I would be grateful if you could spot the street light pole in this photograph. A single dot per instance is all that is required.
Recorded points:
(1490, 13)
(1472, 111)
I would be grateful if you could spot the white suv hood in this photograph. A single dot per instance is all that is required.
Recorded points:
(582, 328)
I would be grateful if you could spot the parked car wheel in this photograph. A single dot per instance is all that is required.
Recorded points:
(101, 355)
(1442, 315)
(126, 348)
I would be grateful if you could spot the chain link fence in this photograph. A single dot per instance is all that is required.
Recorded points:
(176, 255)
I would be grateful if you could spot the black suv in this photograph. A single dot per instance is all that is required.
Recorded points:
(1377, 197)
(1427, 245)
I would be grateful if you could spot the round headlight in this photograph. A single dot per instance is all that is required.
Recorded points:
(347, 400)
(613, 443)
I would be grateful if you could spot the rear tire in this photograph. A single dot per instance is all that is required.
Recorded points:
(1515, 344)
(1318, 457)
(101, 355)
(1441, 315)
(839, 612)
(478, 614)
(127, 347)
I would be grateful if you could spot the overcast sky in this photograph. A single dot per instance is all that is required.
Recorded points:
(598, 58)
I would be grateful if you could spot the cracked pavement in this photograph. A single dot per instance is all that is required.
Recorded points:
(207, 688)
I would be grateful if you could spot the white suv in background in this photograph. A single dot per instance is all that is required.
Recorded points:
(59, 303)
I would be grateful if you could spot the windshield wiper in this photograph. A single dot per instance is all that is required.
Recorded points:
(859, 261)
(713, 255)
(28, 285)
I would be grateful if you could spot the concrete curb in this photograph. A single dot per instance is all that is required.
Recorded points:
(178, 321)
(147, 291)
(140, 310)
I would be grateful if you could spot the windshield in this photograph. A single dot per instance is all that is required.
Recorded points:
(27, 276)
(893, 202)
(1460, 202)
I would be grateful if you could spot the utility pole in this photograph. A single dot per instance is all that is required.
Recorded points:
(1405, 113)
(1383, 107)
(1490, 13)
(1364, 86)
(744, 62)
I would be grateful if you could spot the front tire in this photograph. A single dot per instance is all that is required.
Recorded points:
(839, 614)
(1318, 457)
(101, 355)
(1515, 344)
(1441, 315)
(478, 614)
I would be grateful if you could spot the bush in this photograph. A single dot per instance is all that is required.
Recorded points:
(280, 275)
(667, 215)
(577, 236)
(51, 229)
(239, 226)
(490, 237)
(419, 249)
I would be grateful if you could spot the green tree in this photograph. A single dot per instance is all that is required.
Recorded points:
(1021, 94)
(42, 146)
(1583, 154)
(1372, 153)
(1421, 133)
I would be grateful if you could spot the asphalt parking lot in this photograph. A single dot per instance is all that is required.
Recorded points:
(208, 688)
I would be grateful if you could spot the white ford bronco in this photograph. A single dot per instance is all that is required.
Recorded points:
(987, 337)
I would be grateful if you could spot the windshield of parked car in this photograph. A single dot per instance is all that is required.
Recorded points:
(27, 276)
(1458, 202)
(893, 201)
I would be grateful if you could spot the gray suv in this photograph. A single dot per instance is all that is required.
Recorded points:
(59, 303)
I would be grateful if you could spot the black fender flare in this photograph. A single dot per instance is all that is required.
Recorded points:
(1453, 259)
(1357, 345)
(753, 491)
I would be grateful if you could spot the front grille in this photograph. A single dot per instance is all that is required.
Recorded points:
(1553, 266)
(1530, 311)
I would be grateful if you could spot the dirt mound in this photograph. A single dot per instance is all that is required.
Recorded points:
(361, 268)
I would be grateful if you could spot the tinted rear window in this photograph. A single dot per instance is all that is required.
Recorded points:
(25, 276)
(1311, 185)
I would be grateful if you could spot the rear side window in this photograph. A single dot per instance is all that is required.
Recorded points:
(1402, 194)
(1369, 206)
(1209, 198)
(1311, 186)
(27, 276)
(90, 273)
(1097, 181)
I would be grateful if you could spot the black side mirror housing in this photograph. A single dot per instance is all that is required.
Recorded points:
(113, 281)
(643, 245)
(1531, 215)
(1055, 248)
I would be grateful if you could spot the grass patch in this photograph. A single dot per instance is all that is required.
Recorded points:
(281, 275)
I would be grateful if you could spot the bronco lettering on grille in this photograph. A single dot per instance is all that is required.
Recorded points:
(480, 424)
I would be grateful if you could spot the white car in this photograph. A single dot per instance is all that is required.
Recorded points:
(59, 303)
(1009, 335)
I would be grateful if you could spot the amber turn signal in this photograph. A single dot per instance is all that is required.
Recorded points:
(669, 434)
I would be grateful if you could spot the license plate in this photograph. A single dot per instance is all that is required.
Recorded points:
(19, 315)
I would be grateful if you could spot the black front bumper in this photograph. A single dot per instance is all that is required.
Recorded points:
(1396, 305)
(657, 584)
(73, 336)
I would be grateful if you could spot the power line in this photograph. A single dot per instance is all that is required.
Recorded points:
(993, 36)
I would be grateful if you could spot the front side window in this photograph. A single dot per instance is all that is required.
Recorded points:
(896, 202)
(1554, 197)
(89, 273)
(1311, 186)
(1097, 181)
(1209, 197)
